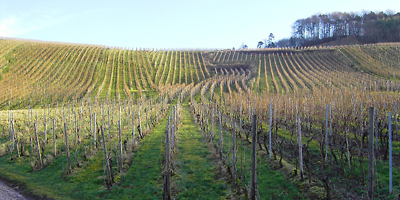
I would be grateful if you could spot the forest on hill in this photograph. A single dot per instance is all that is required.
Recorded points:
(366, 27)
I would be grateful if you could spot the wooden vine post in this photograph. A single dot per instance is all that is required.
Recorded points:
(45, 129)
(234, 155)
(147, 122)
(221, 138)
(76, 130)
(240, 114)
(167, 183)
(120, 140)
(171, 128)
(54, 137)
(12, 132)
(326, 134)
(348, 149)
(133, 126)
(140, 127)
(300, 148)
(253, 159)
(212, 125)
(390, 156)
(270, 133)
(371, 153)
(67, 148)
(109, 183)
(94, 130)
(90, 124)
(38, 144)
(395, 117)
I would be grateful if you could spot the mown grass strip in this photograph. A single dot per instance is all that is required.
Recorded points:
(196, 174)
(143, 180)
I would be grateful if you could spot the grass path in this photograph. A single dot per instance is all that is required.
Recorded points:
(143, 180)
(196, 174)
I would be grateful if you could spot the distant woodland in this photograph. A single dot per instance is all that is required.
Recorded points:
(366, 27)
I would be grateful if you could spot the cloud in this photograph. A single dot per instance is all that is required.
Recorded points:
(8, 27)
(22, 24)
(13, 26)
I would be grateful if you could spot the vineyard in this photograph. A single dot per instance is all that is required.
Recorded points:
(97, 122)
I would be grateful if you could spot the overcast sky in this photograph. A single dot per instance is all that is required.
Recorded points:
(167, 24)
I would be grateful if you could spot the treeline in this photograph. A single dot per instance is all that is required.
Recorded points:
(365, 27)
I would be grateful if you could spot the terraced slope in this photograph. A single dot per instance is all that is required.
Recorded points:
(37, 73)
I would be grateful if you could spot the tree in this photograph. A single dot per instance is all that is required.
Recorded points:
(366, 27)
(271, 42)
(265, 40)
(283, 42)
(260, 44)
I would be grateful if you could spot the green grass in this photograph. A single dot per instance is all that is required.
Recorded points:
(263, 82)
(279, 86)
(196, 171)
(113, 90)
(101, 73)
(271, 184)
(107, 76)
(143, 180)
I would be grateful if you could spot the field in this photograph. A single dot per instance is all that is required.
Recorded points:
(93, 122)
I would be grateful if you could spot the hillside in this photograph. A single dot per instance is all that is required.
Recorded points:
(94, 122)
(47, 73)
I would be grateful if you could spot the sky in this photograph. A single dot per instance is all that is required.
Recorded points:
(167, 24)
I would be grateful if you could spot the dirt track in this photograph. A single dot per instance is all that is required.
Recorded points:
(8, 193)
